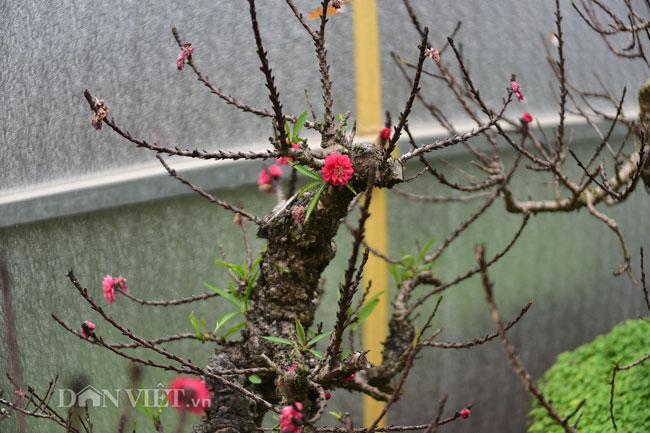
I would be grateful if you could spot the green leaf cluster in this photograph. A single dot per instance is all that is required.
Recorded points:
(410, 265)
(585, 373)
(239, 300)
(302, 343)
(294, 136)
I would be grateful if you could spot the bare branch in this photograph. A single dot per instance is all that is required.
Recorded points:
(518, 367)
(210, 197)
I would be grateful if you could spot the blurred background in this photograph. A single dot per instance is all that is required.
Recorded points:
(75, 198)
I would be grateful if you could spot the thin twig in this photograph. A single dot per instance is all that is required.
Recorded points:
(209, 196)
(282, 146)
(518, 367)
(414, 90)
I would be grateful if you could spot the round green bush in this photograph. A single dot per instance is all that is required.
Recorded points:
(585, 373)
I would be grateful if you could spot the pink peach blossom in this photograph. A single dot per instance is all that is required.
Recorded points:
(184, 56)
(283, 160)
(290, 417)
(188, 394)
(264, 178)
(275, 170)
(517, 90)
(337, 169)
(87, 329)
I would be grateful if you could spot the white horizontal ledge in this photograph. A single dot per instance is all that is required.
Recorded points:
(152, 182)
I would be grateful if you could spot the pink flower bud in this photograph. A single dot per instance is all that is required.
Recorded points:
(527, 118)
(298, 214)
(349, 378)
(184, 56)
(516, 89)
(464, 413)
(87, 329)
(283, 160)
(434, 54)
(327, 395)
(263, 178)
(275, 170)
(384, 134)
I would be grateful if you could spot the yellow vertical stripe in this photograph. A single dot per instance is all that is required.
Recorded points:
(369, 122)
(367, 67)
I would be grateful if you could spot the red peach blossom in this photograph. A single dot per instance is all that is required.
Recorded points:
(275, 170)
(337, 169)
(188, 394)
(289, 418)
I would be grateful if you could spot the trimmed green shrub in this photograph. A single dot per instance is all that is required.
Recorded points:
(585, 373)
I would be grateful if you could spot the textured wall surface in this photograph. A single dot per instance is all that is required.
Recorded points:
(124, 52)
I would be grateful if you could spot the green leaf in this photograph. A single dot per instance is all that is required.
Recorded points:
(318, 338)
(336, 415)
(309, 186)
(229, 296)
(416, 338)
(251, 280)
(254, 378)
(239, 269)
(346, 353)
(144, 407)
(366, 310)
(425, 249)
(162, 407)
(287, 130)
(316, 353)
(300, 333)
(408, 260)
(282, 268)
(298, 126)
(249, 288)
(279, 340)
(223, 319)
(394, 271)
(348, 186)
(234, 329)
(257, 261)
(196, 325)
(314, 201)
(202, 322)
(339, 118)
(304, 170)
